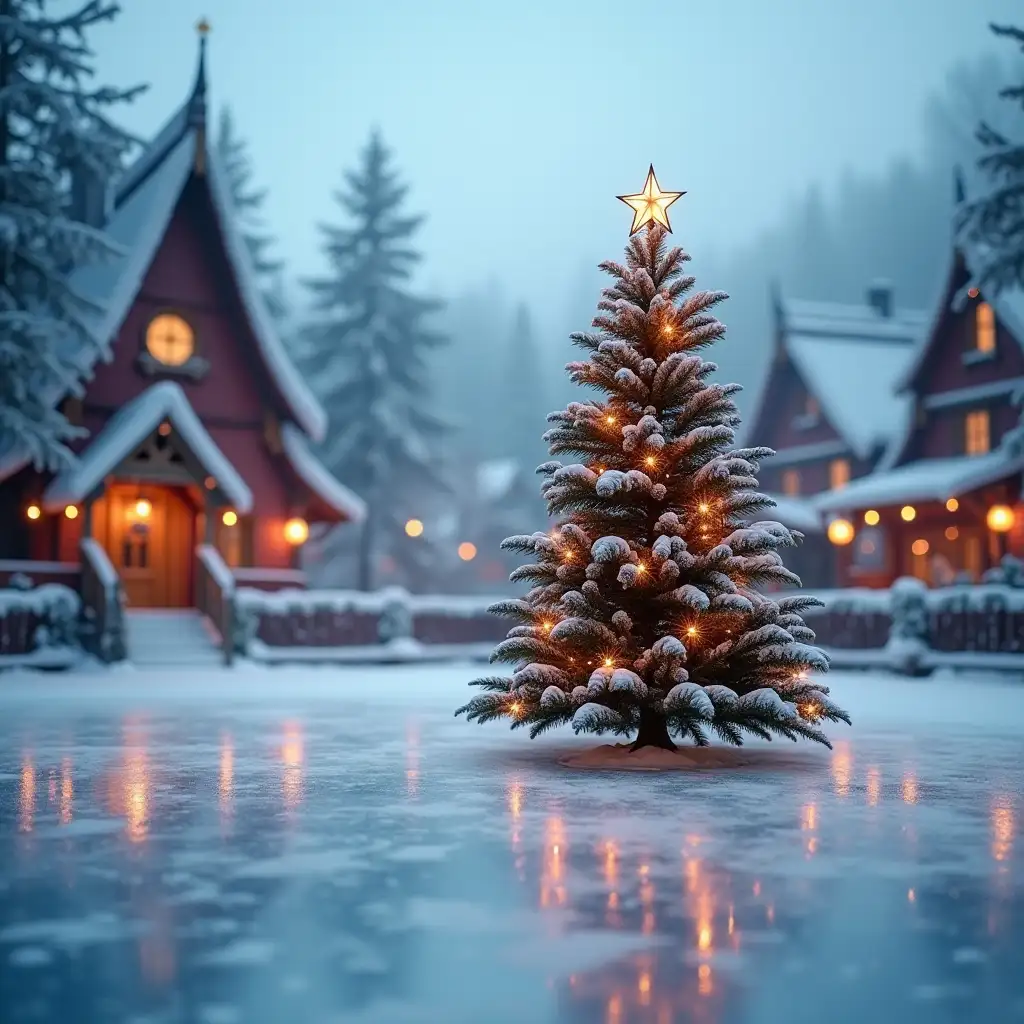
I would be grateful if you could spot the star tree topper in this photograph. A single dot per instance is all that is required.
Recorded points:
(651, 205)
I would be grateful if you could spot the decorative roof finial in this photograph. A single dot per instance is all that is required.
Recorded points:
(197, 103)
(203, 27)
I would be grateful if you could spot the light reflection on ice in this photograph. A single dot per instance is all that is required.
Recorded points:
(908, 787)
(27, 794)
(292, 755)
(67, 791)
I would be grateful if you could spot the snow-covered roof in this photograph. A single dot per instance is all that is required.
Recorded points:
(145, 198)
(495, 478)
(127, 429)
(851, 357)
(924, 480)
(796, 513)
(312, 472)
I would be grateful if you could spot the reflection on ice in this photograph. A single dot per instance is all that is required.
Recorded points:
(292, 754)
(1002, 828)
(67, 791)
(226, 782)
(27, 794)
(874, 786)
(908, 788)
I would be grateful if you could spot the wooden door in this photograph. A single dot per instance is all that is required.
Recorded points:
(149, 536)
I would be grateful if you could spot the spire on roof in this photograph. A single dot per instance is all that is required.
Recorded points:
(197, 101)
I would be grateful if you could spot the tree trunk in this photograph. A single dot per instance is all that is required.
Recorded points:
(364, 569)
(653, 732)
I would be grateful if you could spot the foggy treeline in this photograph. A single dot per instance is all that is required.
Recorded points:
(828, 246)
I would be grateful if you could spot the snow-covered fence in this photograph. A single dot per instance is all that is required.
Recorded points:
(39, 626)
(333, 619)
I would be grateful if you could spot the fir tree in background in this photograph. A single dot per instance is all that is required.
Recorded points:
(51, 125)
(248, 204)
(522, 388)
(997, 220)
(366, 351)
(645, 615)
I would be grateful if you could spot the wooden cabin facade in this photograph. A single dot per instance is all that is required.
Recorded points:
(198, 427)
(945, 500)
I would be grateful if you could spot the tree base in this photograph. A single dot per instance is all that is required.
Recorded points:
(653, 732)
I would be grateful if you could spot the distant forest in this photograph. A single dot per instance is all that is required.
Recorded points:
(829, 246)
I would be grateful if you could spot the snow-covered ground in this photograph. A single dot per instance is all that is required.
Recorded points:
(330, 845)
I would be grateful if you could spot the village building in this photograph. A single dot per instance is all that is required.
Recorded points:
(828, 408)
(944, 502)
(199, 430)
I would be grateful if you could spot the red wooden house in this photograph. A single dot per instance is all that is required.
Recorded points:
(199, 427)
(828, 408)
(946, 496)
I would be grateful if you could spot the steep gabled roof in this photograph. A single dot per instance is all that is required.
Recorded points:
(132, 424)
(849, 357)
(145, 198)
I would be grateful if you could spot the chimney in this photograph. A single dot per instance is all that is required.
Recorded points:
(90, 197)
(880, 298)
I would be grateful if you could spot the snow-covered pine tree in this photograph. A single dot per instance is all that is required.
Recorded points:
(366, 352)
(248, 203)
(51, 124)
(646, 614)
(996, 221)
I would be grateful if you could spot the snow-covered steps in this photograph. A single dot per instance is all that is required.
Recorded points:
(170, 636)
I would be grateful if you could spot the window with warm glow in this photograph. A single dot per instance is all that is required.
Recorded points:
(791, 482)
(170, 340)
(977, 437)
(984, 328)
(838, 473)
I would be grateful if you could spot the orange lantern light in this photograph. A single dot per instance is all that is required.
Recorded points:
(230, 517)
(296, 531)
(840, 532)
(33, 512)
(71, 511)
(1000, 518)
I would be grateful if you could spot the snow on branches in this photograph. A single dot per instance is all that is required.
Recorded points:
(647, 612)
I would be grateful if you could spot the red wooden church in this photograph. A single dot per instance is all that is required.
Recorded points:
(199, 427)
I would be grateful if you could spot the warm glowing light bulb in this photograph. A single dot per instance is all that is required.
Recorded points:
(71, 512)
(143, 508)
(229, 518)
(692, 631)
(640, 567)
(547, 626)
(609, 419)
(608, 662)
(952, 533)
(920, 546)
(840, 532)
(908, 513)
(667, 329)
(952, 505)
(650, 460)
(515, 708)
(1000, 518)
(702, 508)
(33, 512)
(567, 555)
(871, 517)
(467, 551)
(296, 531)
(413, 528)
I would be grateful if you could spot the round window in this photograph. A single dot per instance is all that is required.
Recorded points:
(169, 340)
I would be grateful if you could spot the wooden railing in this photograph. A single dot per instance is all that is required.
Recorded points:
(102, 624)
(215, 596)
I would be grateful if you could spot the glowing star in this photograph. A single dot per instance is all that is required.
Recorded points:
(651, 205)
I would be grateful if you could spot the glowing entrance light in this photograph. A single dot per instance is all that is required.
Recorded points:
(296, 531)
(840, 532)
(1000, 518)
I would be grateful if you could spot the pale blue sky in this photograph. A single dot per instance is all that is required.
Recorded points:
(517, 122)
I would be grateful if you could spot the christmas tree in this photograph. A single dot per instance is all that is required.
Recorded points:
(367, 353)
(646, 615)
(52, 126)
(996, 221)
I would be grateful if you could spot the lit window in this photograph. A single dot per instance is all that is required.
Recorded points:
(984, 328)
(170, 340)
(791, 482)
(838, 473)
(977, 440)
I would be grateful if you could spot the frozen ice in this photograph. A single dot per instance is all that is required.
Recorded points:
(330, 844)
